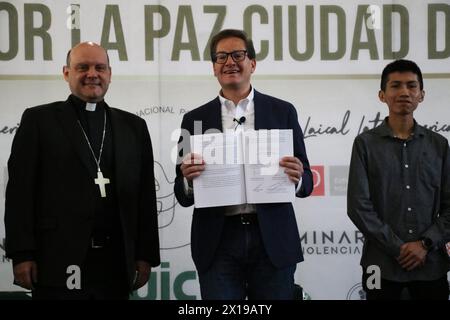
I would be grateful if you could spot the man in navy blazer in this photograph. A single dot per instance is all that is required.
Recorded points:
(80, 213)
(246, 250)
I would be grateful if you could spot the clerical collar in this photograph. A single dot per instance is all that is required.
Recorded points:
(91, 106)
(87, 106)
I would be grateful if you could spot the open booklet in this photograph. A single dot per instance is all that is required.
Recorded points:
(243, 167)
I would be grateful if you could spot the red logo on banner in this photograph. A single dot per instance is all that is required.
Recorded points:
(319, 181)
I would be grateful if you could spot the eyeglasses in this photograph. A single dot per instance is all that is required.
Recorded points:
(222, 57)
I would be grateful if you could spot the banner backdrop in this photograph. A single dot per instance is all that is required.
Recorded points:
(324, 56)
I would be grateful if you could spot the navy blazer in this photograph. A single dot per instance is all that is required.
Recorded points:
(50, 196)
(276, 220)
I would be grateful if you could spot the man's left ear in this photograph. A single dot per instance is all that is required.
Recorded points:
(253, 65)
(381, 96)
(422, 96)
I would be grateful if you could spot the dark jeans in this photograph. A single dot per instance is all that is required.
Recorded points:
(241, 268)
(417, 290)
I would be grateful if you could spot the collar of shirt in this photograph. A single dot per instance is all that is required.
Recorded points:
(385, 130)
(80, 105)
(245, 107)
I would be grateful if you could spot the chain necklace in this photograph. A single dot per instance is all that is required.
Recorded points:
(100, 180)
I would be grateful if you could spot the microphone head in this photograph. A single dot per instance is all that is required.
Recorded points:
(241, 120)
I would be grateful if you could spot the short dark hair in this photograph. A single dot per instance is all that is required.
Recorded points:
(400, 66)
(232, 33)
(68, 58)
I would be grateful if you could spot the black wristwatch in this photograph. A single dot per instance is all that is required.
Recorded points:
(427, 243)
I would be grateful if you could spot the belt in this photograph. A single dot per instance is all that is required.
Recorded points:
(245, 218)
(99, 242)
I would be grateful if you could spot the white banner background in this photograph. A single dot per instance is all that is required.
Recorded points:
(334, 100)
